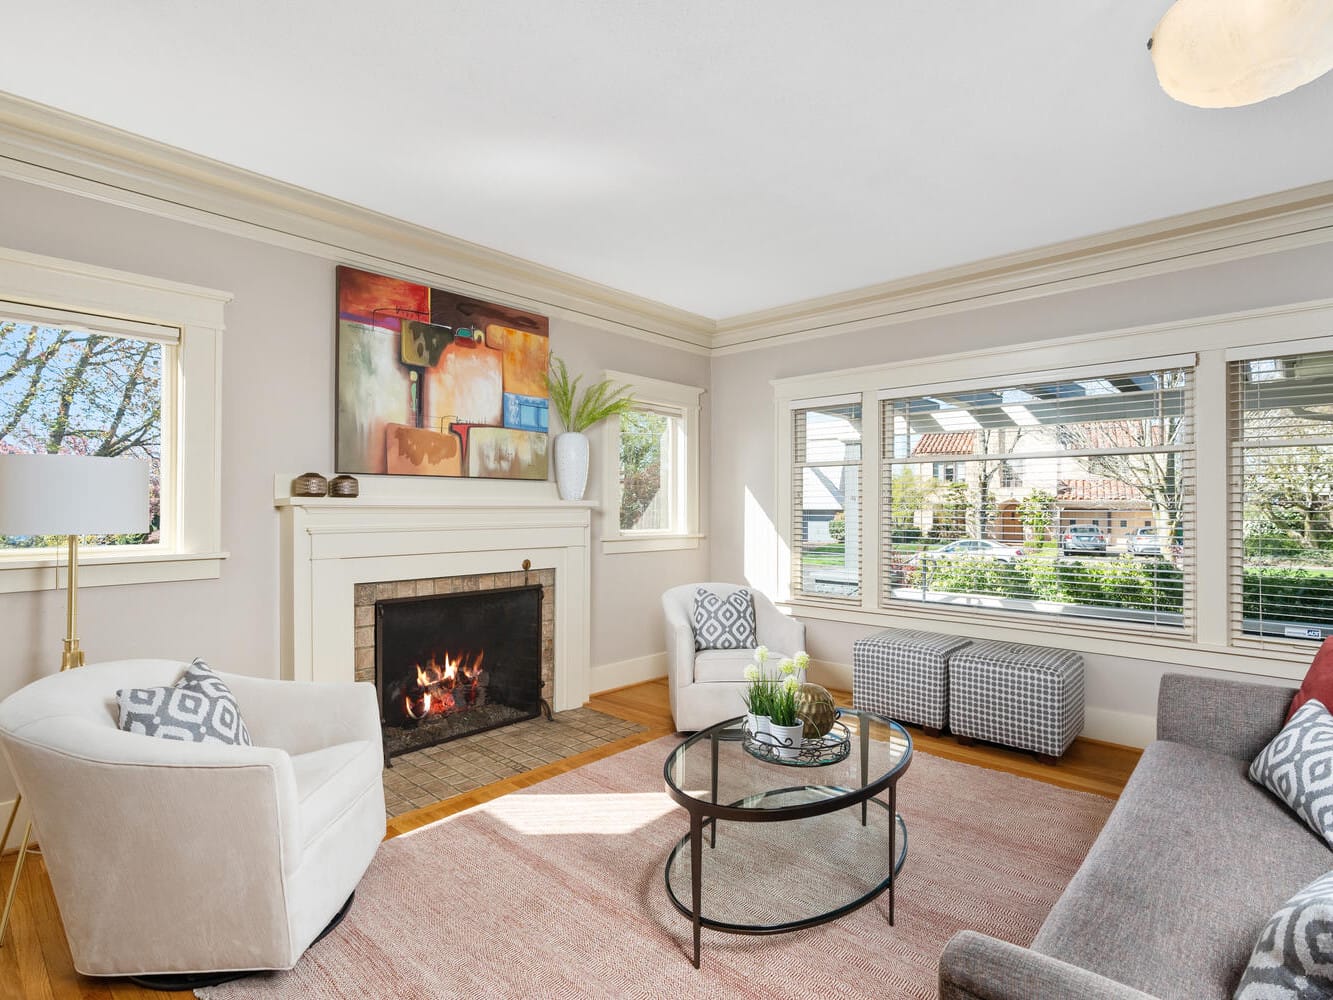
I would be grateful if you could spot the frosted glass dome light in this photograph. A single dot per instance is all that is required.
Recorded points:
(1229, 53)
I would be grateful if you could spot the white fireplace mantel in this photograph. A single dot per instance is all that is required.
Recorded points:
(407, 529)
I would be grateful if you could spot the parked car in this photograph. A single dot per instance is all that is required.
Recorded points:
(1148, 542)
(970, 548)
(1082, 538)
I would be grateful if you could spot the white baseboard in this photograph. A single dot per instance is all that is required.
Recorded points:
(625, 672)
(1125, 728)
(835, 676)
(15, 835)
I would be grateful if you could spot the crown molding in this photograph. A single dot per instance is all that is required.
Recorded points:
(1251, 228)
(55, 149)
(49, 147)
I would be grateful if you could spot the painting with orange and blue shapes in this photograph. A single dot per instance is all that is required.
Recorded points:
(433, 383)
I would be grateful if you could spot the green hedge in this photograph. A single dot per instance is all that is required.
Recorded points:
(1145, 585)
(1305, 595)
(1125, 582)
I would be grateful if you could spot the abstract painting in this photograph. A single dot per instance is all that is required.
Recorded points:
(432, 383)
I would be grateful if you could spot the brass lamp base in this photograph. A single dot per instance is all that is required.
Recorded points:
(71, 657)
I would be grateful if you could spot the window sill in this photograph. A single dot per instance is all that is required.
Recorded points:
(1271, 663)
(649, 543)
(23, 572)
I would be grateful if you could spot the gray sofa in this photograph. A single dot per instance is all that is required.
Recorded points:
(1191, 864)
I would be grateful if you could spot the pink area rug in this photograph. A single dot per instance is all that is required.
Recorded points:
(557, 891)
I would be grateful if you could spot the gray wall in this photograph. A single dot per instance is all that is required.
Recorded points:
(1122, 691)
(277, 417)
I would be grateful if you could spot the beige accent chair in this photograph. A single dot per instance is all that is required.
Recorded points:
(707, 685)
(173, 858)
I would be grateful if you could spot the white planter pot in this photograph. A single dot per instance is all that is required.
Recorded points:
(571, 465)
(787, 739)
(756, 723)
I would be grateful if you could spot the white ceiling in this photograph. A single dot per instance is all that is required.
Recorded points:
(720, 156)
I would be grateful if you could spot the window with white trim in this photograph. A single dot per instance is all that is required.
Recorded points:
(1095, 450)
(1281, 511)
(826, 500)
(652, 468)
(96, 361)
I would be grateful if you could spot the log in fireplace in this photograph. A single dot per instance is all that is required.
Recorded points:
(447, 665)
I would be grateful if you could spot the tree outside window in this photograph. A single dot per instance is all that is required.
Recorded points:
(66, 391)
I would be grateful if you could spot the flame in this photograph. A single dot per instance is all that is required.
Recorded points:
(444, 686)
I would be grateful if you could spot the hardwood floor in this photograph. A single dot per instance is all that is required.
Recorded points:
(35, 962)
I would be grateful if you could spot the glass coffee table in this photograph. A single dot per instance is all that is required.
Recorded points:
(777, 846)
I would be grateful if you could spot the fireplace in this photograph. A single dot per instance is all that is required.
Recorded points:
(451, 664)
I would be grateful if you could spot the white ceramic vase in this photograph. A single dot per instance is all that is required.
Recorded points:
(787, 739)
(756, 723)
(571, 465)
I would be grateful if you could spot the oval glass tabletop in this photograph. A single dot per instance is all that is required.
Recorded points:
(711, 772)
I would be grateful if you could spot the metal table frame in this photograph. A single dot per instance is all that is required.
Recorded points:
(707, 813)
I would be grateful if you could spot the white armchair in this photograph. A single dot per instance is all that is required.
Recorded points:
(173, 858)
(707, 686)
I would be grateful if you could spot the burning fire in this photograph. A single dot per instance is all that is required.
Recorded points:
(444, 687)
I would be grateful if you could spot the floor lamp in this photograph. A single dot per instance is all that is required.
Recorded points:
(69, 495)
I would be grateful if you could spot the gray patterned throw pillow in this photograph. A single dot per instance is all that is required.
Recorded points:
(199, 709)
(723, 621)
(1297, 767)
(1293, 958)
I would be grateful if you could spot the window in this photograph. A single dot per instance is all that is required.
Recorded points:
(1281, 516)
(981, 543)
(93, 361)
(826, 500)
(653, 481)
(73, 390)
(946, 472)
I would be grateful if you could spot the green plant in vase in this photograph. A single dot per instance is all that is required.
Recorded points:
(577, 413)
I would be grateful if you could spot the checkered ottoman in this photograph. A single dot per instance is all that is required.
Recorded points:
(1028, 697)
(903, 674)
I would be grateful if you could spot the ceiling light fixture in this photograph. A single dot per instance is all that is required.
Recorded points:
(1229, 53)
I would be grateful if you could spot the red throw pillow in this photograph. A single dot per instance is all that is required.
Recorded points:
(1318, 683)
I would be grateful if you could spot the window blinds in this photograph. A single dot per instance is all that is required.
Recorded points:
(826, 500)
(1064, 497)
(1280, 535)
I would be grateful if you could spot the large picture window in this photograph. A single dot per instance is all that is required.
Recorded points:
(71, 390)
(826, 500)
(1067, 497)
(1282, 499)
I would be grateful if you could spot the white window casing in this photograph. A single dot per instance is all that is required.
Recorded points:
(188, 321)
(681, 403)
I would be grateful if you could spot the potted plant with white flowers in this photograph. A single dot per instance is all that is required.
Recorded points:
(759, 694)
(786, 727)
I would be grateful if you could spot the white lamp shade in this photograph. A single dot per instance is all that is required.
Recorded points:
(1228, 53)
(72, 495)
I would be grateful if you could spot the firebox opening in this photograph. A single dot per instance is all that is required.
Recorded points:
(451, 664)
